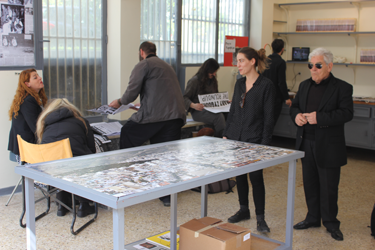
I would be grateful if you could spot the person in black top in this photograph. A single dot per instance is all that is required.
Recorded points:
(27, 104)
(204, 82)
(322, 106)
(276, 73)
(251, 119)
(60, 120)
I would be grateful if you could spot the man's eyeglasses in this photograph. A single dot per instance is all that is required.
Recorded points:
(317, 65)
(242, 102)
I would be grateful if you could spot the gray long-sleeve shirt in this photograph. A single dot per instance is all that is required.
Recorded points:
(157, 84)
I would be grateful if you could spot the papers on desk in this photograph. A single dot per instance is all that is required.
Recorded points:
(216, 102)
(107, 128)
(105, 109)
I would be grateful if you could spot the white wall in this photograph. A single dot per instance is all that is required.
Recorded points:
(9, 81)
(123, 44)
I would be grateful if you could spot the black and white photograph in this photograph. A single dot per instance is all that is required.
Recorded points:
(19, 2)
(12, 19)
(16, 32)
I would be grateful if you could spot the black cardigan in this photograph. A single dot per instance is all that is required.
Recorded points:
(24, 124)
(255, 121)
(276, 73)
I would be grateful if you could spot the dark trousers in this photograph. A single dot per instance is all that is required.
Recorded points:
(321, 188)
(135, 134)
(259, 193)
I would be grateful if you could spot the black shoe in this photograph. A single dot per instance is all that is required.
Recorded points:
(262, 226)
(166, 201)
(336, 234)
(240, 216)
(85, 209)
(305, 225)
(61, 211)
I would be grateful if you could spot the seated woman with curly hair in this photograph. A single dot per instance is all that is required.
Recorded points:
(27, 104)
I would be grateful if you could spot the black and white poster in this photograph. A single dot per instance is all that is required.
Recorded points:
(17, 33)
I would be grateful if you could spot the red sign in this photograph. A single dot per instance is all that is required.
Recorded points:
(232, 45)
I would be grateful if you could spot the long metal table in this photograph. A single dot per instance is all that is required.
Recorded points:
(122, 178)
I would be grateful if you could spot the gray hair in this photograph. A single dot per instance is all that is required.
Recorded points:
(327, 55)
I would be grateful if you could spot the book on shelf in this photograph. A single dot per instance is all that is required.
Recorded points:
(163, 239)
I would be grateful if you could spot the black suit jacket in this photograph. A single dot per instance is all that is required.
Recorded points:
(24, 124)
(276, 73)
(335, 109)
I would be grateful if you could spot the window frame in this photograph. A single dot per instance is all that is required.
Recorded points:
(181, 65)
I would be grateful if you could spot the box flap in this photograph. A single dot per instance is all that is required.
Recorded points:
(193, 225)
(197, 224)
(209, 221)
(219, 234)
(232, 228)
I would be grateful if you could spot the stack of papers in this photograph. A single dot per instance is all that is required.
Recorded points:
(105, 109)
(107, 128)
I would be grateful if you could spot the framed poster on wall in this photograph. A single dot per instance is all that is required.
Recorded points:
(232, 45)
(17, 33)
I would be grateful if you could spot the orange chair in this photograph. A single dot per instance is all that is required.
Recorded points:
(36, 153)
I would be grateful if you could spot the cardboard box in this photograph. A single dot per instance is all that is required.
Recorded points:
(212, 234)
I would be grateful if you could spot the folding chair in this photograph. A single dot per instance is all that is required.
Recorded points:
(36, 153)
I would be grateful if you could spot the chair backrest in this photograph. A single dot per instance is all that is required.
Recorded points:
(35, 153)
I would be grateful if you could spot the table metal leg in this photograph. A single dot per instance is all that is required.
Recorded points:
(118, 229)
(30, 214)
(290, 204)
(174, 221)
(204, 193)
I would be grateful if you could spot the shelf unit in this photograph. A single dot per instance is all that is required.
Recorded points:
(288, 8)
(326, 33)
(340, 64)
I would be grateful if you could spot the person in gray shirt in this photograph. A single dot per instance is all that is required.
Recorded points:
(162, 111)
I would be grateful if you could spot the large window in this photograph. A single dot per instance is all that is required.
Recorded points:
(73, 57)
(158, 25)
(203, 26)
(205, 23)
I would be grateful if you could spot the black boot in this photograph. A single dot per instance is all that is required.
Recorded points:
(85, 209)
(64, 197)
(261, 224)
(242, 214)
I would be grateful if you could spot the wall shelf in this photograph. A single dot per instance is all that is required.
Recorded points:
(340, 64)
(326, 2)
(325, 33)
(279, 21)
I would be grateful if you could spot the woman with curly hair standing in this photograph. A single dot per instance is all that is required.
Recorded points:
(27, 104)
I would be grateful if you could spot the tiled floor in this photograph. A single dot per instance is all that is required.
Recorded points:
(356, 200)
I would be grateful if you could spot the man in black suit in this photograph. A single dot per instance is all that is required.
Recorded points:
(322, 106)
(276, 73)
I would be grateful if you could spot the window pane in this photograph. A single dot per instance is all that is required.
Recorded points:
(72, 59)
(231, 22)
(158, 25)
(198, 30)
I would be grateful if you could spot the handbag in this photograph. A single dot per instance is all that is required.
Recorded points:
(219, 186)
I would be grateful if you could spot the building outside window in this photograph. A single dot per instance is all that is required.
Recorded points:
(204, 25)
(73, 57)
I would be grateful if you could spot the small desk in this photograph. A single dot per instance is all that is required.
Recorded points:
(126, 177)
